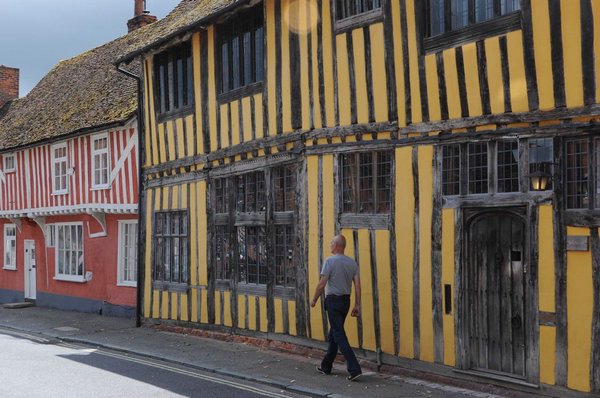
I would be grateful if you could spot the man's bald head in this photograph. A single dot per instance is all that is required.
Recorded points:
(338, 244)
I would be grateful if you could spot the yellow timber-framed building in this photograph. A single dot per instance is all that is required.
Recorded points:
(453, 142)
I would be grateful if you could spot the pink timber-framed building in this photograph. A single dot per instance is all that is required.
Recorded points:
(69, 184)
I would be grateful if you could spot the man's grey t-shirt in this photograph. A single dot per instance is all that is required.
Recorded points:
(340, 270)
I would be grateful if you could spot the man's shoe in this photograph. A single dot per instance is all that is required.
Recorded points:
(354, 376)
(322, 371)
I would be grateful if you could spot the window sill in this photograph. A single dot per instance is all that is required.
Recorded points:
(127, 284)
(9, 268)
(241, 92)
(10, 171)
(366, 220)
(170, 286)
(495, 27)
(359, 20)
(74, 279)
(60, 193)
(99, 187)
(174, 114)
(252, 289)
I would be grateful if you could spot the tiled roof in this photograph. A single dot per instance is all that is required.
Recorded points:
(81, 93)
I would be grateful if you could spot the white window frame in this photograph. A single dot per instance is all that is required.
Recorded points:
(55, 161)
(72, 249)
(124, 253)
(103, 181)
(8, 240)
(7, 167)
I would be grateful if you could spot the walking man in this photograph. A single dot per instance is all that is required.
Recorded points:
(337, 275)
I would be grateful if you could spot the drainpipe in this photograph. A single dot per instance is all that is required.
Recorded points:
(141, 247)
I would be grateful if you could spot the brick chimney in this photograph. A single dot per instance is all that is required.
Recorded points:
(141, 17)
(9, 84)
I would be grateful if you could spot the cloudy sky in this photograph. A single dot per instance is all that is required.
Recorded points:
(36, 34)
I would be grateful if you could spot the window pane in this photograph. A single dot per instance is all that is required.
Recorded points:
(541, 158)
(235, 63)
(366, 202)
(459, 10)
(225, 67)
(577, 167)
(171, 242)
(451, 170)
(242, 255)
(259, 54)
(161, 88)
(508, 166)
(171, 85)
(508, 6)
(349, 182)
(478, 167)
(436, 17)
(189, 80)
(247, 51)
(180, 83)
(484, 10)
(384, 182)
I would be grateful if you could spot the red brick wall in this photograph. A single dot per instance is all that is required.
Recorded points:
(9, 84)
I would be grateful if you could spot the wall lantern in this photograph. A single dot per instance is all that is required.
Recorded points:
(539, 180)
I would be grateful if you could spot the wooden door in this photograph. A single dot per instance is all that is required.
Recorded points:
(30, 270)
(495, 294)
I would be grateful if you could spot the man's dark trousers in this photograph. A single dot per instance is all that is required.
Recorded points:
(337, 308)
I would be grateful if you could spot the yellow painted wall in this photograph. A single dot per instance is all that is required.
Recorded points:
(448, 240)
(367, 314)
(384, 287)
(472, 85)
(543, 52)
(546, 281)
(516, 64)
(571, 40)
(579, 314)
(495, 80)
(405, 205)
(425, 160)
(399, 64)
(312, 163)
(351, 322)
(548, 354)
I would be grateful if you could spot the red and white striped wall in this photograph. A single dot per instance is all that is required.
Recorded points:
(28, 190)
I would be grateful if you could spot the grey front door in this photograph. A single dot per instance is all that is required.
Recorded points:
(495, 295)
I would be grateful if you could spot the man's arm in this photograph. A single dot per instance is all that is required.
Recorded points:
(319, 290)
(357, 291)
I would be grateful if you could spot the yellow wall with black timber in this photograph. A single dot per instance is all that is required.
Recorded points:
(330, 89)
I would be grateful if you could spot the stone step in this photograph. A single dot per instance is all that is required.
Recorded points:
(12, 306)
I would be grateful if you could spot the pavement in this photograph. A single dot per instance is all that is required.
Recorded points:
(246, 361)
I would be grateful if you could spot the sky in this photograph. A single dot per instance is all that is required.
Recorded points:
(36, 34)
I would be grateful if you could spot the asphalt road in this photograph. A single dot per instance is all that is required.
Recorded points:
(34, 367)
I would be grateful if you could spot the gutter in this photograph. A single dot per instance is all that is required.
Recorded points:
(199, 23)
(140, 248)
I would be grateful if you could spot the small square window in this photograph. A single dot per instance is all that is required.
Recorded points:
(9, 162)
(100, 159)
(59, 169)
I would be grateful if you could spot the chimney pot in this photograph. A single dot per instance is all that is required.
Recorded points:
(141, 17)
(9, 84)
(139, 7)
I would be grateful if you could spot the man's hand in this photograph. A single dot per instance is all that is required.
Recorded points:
(355, 311)
(313, 302)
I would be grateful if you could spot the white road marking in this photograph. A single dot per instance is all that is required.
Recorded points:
(179, 371)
